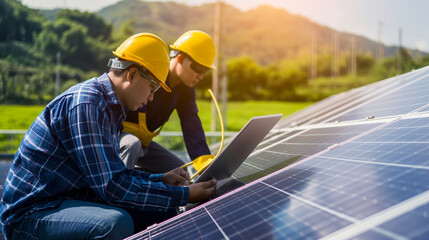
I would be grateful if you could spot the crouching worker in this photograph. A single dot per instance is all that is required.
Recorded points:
(67, 180)
(192, 55)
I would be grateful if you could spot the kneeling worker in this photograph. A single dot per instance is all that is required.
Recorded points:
(67, 180)
(192, 56)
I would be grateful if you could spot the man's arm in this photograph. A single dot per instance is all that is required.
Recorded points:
(193, 132)
(93, 146)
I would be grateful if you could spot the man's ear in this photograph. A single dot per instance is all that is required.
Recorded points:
(180, 58)
(131, 73)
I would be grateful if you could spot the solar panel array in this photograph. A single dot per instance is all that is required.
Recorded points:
(355, 165)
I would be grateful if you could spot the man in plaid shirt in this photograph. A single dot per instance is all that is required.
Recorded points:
(67, 180)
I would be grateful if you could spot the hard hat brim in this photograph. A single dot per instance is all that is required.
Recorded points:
(187, 51)
(163, 85)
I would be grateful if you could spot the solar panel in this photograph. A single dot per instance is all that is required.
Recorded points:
(410, 96)
(360, 179)
(417, 218)
(424, 109)
(285, 152)
(335, 105)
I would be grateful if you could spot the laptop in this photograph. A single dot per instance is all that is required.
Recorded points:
(243, 144)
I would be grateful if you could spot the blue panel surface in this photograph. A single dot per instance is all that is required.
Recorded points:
(273, 138)
(403, 142)
(357, 180)
(198, 225)
(403, 100)
(285, 152)
(326, 193)
(412, 225)
(334, 105)
(274, 215)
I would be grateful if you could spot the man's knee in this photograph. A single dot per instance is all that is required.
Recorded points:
(130, 149)
(120, 227)
(129, 141)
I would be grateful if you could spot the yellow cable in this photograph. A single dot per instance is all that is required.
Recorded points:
(221, 122)
(221, 143)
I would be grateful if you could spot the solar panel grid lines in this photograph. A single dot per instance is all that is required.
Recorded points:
(296, 148)
(286, 137)
(214, 220)
(340, 191)
(270, 202)
(403, 143)
(339, 124)
(351, 98)
(353, 179)
(196, 225)
(339, 214)
(293, 132)
(332, 174)
(313, 111)
(416, 217)
(273, 136)
(162, 225)
(338, 197)
(424, 109)
(381, 217)
(408, 97)
(320, 111)
(380, 92)
(418, 110)
(324, 106)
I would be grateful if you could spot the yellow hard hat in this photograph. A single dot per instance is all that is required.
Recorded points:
(149, 51)
(198, 45)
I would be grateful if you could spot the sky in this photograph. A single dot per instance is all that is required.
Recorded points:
(378, 20)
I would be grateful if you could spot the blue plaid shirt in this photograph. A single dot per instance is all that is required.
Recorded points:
(71, 152)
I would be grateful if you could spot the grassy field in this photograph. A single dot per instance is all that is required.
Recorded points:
(238, 113)
(20, 117)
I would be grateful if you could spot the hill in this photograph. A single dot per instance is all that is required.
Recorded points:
(266, 34)
(266, 48)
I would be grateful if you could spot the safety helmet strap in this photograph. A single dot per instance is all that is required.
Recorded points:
(122, 64)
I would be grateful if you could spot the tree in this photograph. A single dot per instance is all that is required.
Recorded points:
(97, 27)
(47, 41)
(18, 22)
(246, 79)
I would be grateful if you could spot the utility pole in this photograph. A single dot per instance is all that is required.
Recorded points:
(216, 71)
(334, 66)
(380, 50)
(399, 51)
(57, 74)
(352, 69)
(224, 92)
(312, 65)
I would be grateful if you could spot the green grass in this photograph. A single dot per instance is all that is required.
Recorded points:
(15, 117)
(238, 113)
(19, 117)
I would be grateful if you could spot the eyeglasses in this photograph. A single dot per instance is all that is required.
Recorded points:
(155, 86)
(198, 68)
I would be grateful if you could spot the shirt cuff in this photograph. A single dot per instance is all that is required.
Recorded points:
(179, 195)
(156, 177)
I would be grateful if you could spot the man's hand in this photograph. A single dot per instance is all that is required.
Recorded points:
(176, 177)
(201, 191)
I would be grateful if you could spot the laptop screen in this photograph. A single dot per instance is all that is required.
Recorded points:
(240, 147)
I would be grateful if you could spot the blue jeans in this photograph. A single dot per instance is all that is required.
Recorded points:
(76, 220)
